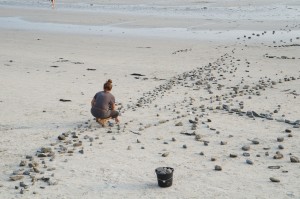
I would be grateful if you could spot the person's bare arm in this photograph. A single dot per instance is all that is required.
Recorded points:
(113, 107)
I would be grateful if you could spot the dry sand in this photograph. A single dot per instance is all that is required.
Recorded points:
(206, 64)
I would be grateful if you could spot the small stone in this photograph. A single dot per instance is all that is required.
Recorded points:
(249, 161)
(288, 130)
(280, 139)
(274, 167)
(274, 179)
(290, 135)
(61, 137)
(81, 151)
(213, 159)
(201, 153)
(129, 148)
(198, 137)
(142, 147)
(184, 146)
(294, 159)
(280, 147)
(278, 155)
(255, 142)
(223, 143)
(246, 154)
(165, 154)
(179, 124)
(246, 148)
(138, 141)
(233, 155)
(174, 139)
(113, 138)
(218, 168)
(23, 163)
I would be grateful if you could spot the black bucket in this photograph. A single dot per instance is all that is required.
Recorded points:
(164, 176)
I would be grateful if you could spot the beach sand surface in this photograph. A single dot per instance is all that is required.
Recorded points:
(211, 77)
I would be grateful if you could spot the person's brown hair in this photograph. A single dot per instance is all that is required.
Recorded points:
(108, 85)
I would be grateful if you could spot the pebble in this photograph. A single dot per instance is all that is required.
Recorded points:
(165, 154)
(246, 154)
(274, 179)
(249, 161)
(223, 143)
(184, 146)
(174, 139)
(294, 159)
(280, 147)
(61, 137)
(274, 167)
(138, 141)
(218, 168)
(22, 163)
(179, 124)
(278, 155)
(201, 153)
(233, 155)
(280, 139)
(198, 137)
(213, 159)
(288, 131)
(246, 148)
(255, 142)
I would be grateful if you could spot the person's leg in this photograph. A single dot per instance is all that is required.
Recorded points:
(114, 115)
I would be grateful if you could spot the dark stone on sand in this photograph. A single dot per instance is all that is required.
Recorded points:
(218, 168)
(213, 159)
(280, 147)
(294, 159)
(179, 124)
(249, 161)
(274, 179)
(41, 155)
(255, 142)
(22, 163)
(184, 146)
(65, 100)
(223, 143)
(165, 154)
(246, 154)
(278, 155)
(288, 130)
(280, 139)
(201, 153)
(273, 167)
(233, 155)
(81, 151)
(246, 148)
(61, 137)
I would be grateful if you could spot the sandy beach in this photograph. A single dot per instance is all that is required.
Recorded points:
(208, 88)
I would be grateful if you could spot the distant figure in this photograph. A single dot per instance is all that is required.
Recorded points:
(53, 2)
(103, 105)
